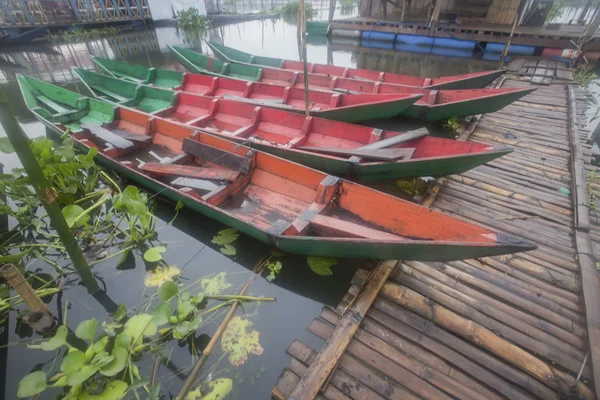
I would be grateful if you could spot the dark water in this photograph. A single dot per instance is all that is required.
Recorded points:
(300, 293)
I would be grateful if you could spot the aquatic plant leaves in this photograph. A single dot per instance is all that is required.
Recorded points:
(216, 285)
(154, 254)
(117, 364)
(321, 265)
(139, 326)
(238, 342)
(100, 345)
(228, 250)
(86, 330)
(59, 339)
(6, 146)
(122, 340)
(120, 313)
(161, 313)
(72, 213)
(184, 308)
(161, 275)
(13, 258)
(114, 390)
(82, 375)
(73, 362)
(167, 290)
(32, 384)
(134, 203)
(219, 389)
(186, 328)
(225, 236)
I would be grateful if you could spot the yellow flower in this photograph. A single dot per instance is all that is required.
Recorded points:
(160, 275)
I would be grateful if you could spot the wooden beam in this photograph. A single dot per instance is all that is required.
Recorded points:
(326, 360)
(512, 32)
(188, 171)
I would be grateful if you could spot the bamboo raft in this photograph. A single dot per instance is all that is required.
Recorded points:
(513, 326)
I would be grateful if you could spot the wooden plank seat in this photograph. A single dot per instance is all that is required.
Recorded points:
(329, 226)
(375, 154)
(211, 154)
(190, 171)
(109, 137)
(382, 144)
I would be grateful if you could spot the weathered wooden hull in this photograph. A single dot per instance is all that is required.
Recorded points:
(435, 105)
(466, 81)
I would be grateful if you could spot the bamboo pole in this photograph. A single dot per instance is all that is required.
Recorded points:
(14, 277)
(512, 32)
(302, 23)
(45, 193)
(325, 362)
(187, 385)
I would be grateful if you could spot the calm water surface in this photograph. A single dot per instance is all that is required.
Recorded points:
(300, 294)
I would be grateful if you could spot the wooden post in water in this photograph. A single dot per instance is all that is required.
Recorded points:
(302, 23)
(331, 9)
(14, 277)
(46, 194)
(590, 29)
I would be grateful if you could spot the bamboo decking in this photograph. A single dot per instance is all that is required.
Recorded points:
(513, 326)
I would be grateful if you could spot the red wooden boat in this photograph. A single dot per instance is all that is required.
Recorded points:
(435, 105)
(473, 80)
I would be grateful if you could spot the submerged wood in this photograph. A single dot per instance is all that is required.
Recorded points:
(13, 276)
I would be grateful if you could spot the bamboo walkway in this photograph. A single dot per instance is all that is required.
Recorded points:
(513, 326)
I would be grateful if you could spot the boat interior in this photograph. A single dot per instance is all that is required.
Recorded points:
(270, 193)
(141, 74)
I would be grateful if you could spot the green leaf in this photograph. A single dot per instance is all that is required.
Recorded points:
(32, 384)
(71, 213)
(82, 375)
(13, 258)
(216, 285)
(154, 254)
(179, 205)
(59, 339)
(321, 265)
(73, 362)
(6, 146)
(100, 345)
(238, 342)
(118, 363)
(167, 290)
(122, 340)
(134, 203)
(219, 389)
(114, 390)
(161, 313)
(186, 328)
(120, 313)
(184, 308)
(86, 330)
(155, 392)
(139, 326)
(228, 250)
(225, 236)
(102, 359)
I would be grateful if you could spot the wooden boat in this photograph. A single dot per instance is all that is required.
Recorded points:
(435, 105)
(474, 80)
(292, 207)
(318, 28)
(336, 106)
(331, 146)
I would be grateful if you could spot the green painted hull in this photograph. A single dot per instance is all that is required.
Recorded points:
(477, 82)
(128, 94)
(463, 108)
(200, 64)
(367, 112)
(317, 27)
(140, 74)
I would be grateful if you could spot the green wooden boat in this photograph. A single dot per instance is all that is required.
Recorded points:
(332, 146)
(335, 106)
(289, 206)
(142, 97)
(473, 80)
(201, 64)
(318, 28)
(435, 105)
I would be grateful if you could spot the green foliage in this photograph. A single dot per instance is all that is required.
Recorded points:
(289, 12)
(451, 124)
(87, 329)
(238, 342)
(32, 384)
(5, 146)
(557, 9)
(190, 18)
(154, 254)
(584, 76)
(167, 290)
(215, 285)
(219, 390)
(592, 183)
(321, 265)
(59, 339)
(274, 268)
(414, 187)
(79, 33)
(225, 238)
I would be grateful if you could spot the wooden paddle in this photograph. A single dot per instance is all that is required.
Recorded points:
(375, 154)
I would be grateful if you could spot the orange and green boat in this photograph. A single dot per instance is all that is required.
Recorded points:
(334, 147)
(336, 106)
(475, 80)
(289, 206)
(435, 105)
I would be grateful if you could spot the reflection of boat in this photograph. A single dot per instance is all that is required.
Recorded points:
(465, 81)
(335, 147)
(233, 18)
(24, 37)
(294, 208)
(435, 105)
(336, 106)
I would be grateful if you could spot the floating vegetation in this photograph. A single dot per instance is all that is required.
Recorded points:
(78, 33)
(225, 238)
(216, 390)
(238, 342)
(321, 265)
(160, 275)
(289, 12)
(190, 19)
(416, 187)
(451, 124)
(584, 76)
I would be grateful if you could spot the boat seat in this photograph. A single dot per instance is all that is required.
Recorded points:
(109, 93)
(212, 154)
(56, 107)
(109, 137)
(190, 171)
(329, 226)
